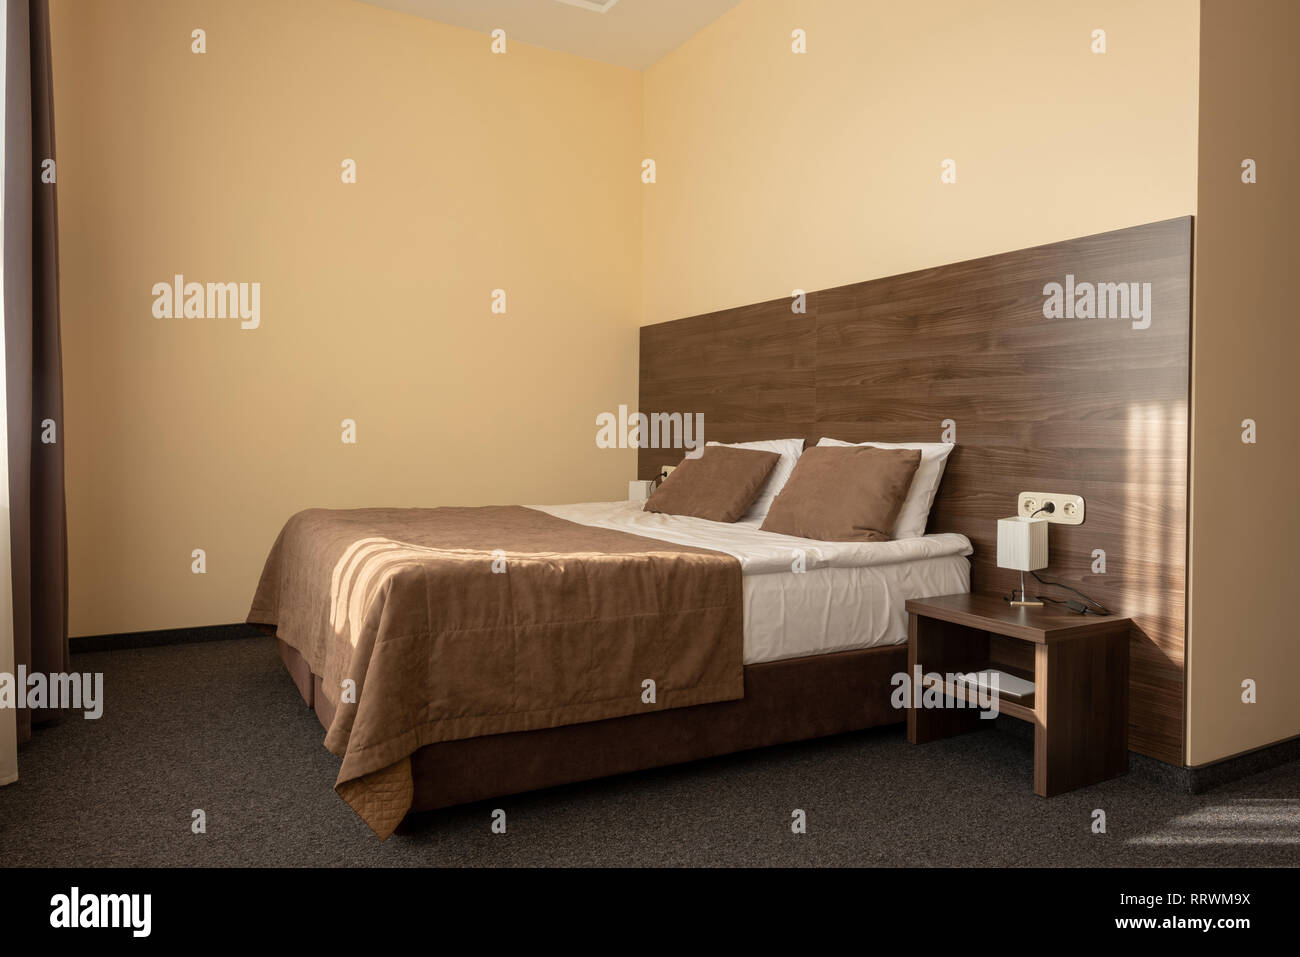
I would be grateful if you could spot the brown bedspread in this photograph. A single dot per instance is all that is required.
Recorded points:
(430, 625)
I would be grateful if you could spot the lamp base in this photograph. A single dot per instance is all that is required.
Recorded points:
(1023, 593)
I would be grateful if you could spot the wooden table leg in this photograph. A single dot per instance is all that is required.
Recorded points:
(1080, 712)
(940, 646)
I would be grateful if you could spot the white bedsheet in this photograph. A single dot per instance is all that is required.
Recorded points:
(849, 595)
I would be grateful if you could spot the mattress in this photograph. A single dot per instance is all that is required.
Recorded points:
(804, 597)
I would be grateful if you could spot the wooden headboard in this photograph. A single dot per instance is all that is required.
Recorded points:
(1090, 406)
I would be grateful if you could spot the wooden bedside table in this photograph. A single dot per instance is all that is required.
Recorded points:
(1078, 664)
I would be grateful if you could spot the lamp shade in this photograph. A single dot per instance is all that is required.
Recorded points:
(1022, 543)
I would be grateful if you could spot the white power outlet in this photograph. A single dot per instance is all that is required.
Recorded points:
(1067, 509)
(664, 470)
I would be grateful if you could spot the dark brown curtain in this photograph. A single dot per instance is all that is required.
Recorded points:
(33, 361)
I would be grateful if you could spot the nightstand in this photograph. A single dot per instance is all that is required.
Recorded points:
(1078, 664)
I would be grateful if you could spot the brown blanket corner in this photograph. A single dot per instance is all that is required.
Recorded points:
(430, 625)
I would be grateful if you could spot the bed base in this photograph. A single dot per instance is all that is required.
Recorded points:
(792, 700)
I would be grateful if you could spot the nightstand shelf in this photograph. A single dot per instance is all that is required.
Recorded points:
(1022, 707)
(1078, 664)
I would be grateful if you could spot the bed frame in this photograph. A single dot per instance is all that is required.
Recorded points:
(1086, 406)
(792, 700)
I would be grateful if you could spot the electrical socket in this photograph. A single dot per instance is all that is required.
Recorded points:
(1069, 508)
(664, 470)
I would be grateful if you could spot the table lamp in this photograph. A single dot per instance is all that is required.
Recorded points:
(1022, 545)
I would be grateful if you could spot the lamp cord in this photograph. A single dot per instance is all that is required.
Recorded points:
(1090, 605)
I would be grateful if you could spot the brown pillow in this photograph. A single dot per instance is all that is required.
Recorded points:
(720, 485)
(844, 494)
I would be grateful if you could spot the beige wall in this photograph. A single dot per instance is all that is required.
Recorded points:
(474, 172)
(1246, 340)
(779, 171)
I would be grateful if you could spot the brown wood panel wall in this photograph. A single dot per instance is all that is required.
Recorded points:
(1086, 406)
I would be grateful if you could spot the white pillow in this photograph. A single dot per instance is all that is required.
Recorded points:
(925, 483)
(789, 450)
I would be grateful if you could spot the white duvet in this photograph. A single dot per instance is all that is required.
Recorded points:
(805, 597)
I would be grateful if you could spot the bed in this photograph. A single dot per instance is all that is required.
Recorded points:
(646, 640)
(943, 352)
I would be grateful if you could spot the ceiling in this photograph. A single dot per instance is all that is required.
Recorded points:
(631, 33)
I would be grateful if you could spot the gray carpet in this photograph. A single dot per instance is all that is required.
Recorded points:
(219, 726)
